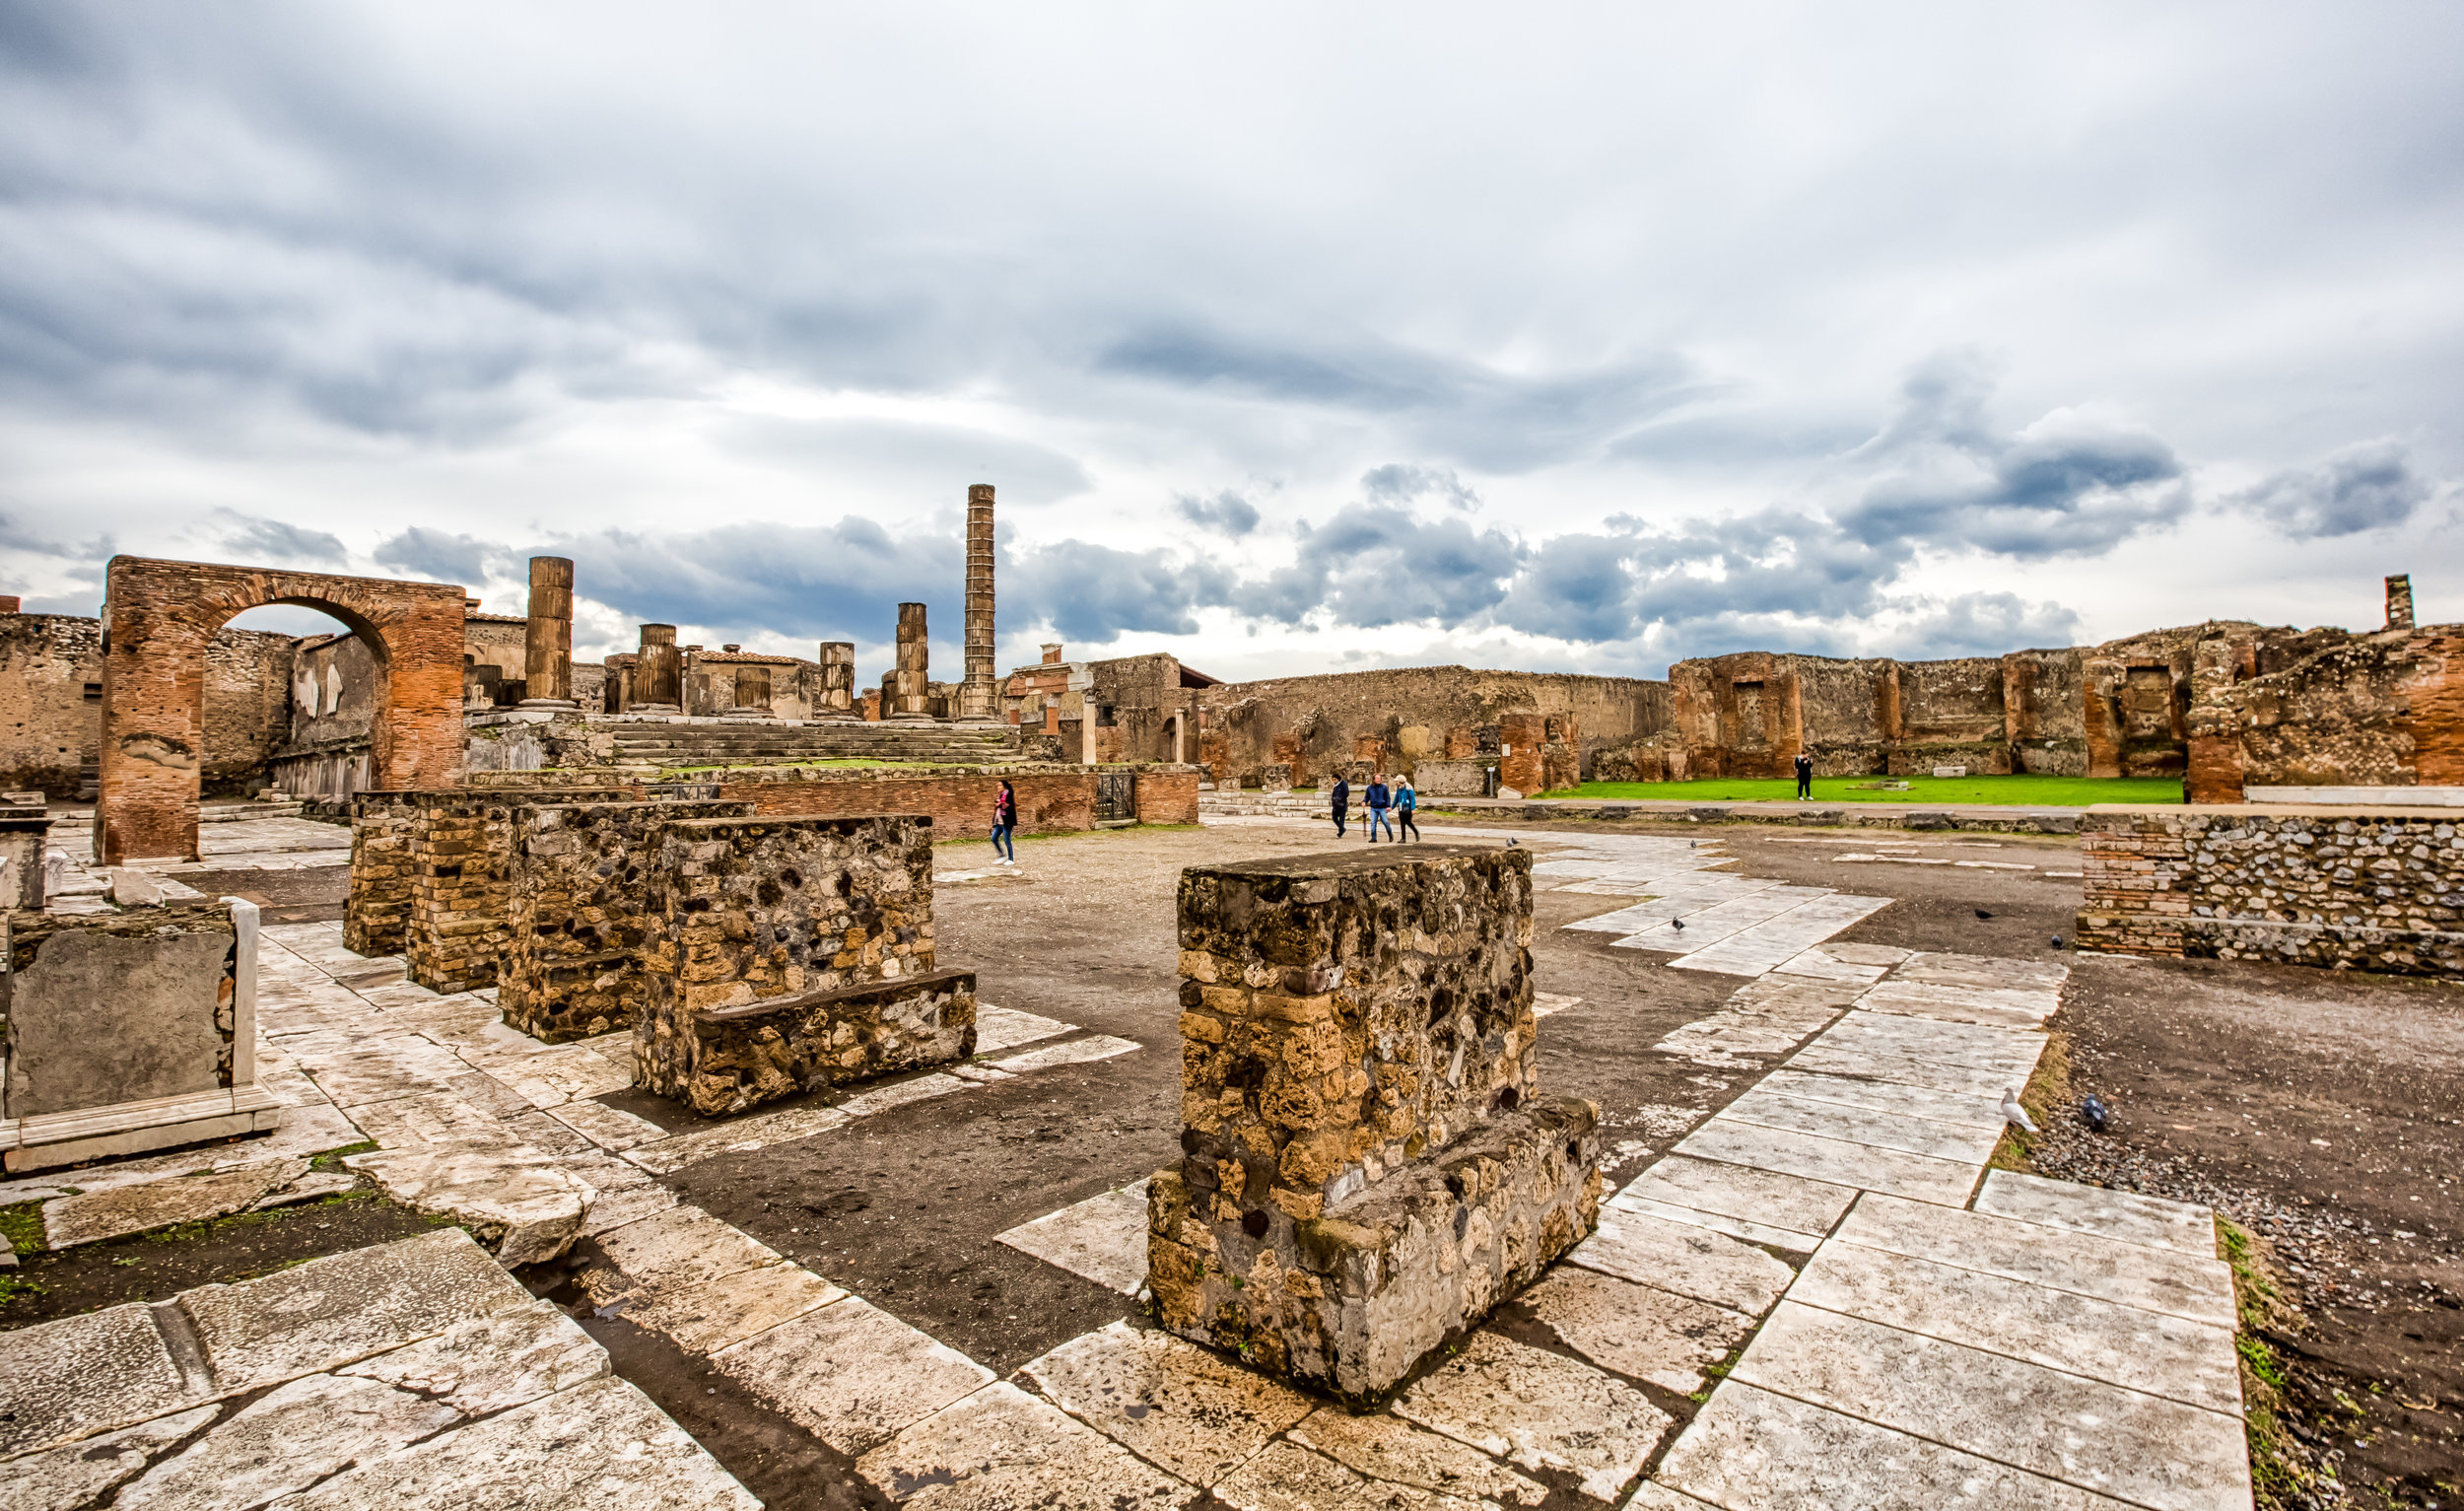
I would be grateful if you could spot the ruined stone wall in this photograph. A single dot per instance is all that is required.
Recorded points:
(2367, 889)
(2358, 714)
(1367, 1167)
(791, 954)
(576, 917)
(51, 703)
(461, 853)
(375, 917)
(2044, 721)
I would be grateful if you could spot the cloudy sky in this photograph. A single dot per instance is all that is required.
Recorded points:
(1294, 337)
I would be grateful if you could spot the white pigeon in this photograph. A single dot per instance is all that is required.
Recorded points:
(2012, 1112)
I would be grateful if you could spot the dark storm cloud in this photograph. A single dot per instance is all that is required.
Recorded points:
(254, 539)
(438, 556)
(1374, 565)
(1226, 512)
(2364, 487)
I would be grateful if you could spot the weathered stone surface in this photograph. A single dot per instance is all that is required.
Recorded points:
(1690, 1260)
(62, 1381)
(66, 1478)
(1001, 1449)
(2197, 1288)
(600, 1444)
(302, 1432)
(1638, 1331)
(2120, 1214)
(1388, 1448)
(1540, 1411)
(92, 1216)
(851, 1374)
(1101, 1238)
(1168, 1402)
(118, 1008)
(516, 1196)
(670, 1155)
(490, 1363)
(1764, 1197)
(1289, 1477)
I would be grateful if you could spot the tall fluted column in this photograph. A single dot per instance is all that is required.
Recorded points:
(838, 680)
(548, 638)
(658, 672)
(909, 692)
(977, 702)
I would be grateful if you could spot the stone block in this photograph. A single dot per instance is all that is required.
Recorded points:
(106, 1008)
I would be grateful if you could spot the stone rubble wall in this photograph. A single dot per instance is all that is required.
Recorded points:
(2362, 889)
(825, 926)
(571, 965)
(376, 918)
(1367, 1167)
(460, 854)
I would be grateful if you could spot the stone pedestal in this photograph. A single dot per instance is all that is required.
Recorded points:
(835, 698)
(1367, 1167)
(459, 855)
(907, 690)
(548, 646)
(376, 919)
(24, 834)
(787, 954)
(658, 672)
(978, 703)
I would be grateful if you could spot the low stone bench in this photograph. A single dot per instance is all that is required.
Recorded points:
(785, 1045)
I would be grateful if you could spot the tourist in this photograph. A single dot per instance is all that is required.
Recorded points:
(1406, 799)
(1378, 799)
(1804, 776)
(1005, 825)
(1343, 803)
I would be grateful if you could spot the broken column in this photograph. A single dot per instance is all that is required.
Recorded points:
(907, 690)
(977, 702)
(25, 840)
(2400, 601)
(1367, 1167)
(577, 919)
(836, 699)
(787, 954)
(548, 646)
(658, 672)
(751, 695)
(459, 853)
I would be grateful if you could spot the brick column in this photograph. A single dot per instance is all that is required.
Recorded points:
(838, 681)
(2400, 601)
(908, 686)
(548, 645)
(658, 672)
(976, 703)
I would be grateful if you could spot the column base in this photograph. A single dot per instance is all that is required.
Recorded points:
(748, 713)
(551, 705)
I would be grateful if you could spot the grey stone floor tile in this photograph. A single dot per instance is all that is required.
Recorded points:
(1764, 1196)
(1006, 1028)
(1750, 1450)
(2119, 1215)
(1866, 954)
(1990, 971)
(1000, 1449)
(851, 1374)
(1101, 1238)
(518, 1197)
(707, 1318)
(2152, 1280)
(75, 1474)
(1289, 1477)
(92, 1216)
(1966, 1143)
(66, 1380)
(737, 1136)
(1830, 1057)
(1690, 1260)
(1167, 1401)
(2152, 1351)
(1733, 1227)
(610, 1127)
(598, 1444)
(1917, 1176)
(345, 1307)
(682, 1248)
(1955, 1005)
(1900, 1098)
(1638, 1331)
(379, 1070)
(1540, 1411)
(2154, 1452)
(491, 1363)
(630, 1203)
(310, 1429)
(430, 1118)
(1075, 1051)
(1387, 1447)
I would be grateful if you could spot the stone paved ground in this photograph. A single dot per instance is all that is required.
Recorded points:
(861, 1289)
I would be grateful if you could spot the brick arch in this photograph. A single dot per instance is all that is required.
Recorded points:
(159, 616)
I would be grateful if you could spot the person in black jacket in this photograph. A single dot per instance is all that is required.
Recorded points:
(1804, 776)
(1343, 803)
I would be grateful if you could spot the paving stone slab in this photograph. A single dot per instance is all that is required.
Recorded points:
(1866, 954)
(1980, 1046)
(1690, 1260)
(851, 1374)
(1824, 1057)
(1387, 1447)
(737, 1136)
(600, 1444)
(1652, 1495)
(1983, 971)
(1742, 1190)
(1840, 1163)
(66, 1380)
(1006, 1028)
(1166, 1400)
(1075, 1051)
(1959, 1004)
(712, 1316)
(301, 1433)
(898, 1094)
(2118, 1214)
(1733, 1227)
(1638, 1331)
(615, 1208)
(2135, 1447)
(518, 1197)
(337, 1310)
(1101, 1239)
(682, 1248)
(1540, 1411)
(1749, 1450)
(75, 1474)
(2150, 1351)
(1290, 1478)
(1000, 1449)
(376, 1071)
(1966, 1143)
(314, 1186)
(491, 1363)
(438, 1117)
(1896, 1098)
(1820, 964)
(2133, 1274)
(94, 1215)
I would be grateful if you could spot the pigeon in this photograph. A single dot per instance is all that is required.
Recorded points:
(1677, 924)
(1514, 844)
(2093, 1113)
(1982, 914)
(2012, 1112)
(2057, 942)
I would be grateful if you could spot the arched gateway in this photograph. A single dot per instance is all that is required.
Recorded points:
(159, 617)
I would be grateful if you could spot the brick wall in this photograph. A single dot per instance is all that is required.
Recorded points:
(460, 856)
(51, 731)
(375, 917)
(2371, 889)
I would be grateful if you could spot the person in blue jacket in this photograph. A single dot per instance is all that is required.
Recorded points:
(1379, 800)
(1406, 802)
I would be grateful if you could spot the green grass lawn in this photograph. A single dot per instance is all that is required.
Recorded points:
(2033, 792)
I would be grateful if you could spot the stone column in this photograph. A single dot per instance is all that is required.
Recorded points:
(2400, 601)
(752, 693)
(548, 649)
(977, 702)
(908, 685)
(659, 675)
(838, 681)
